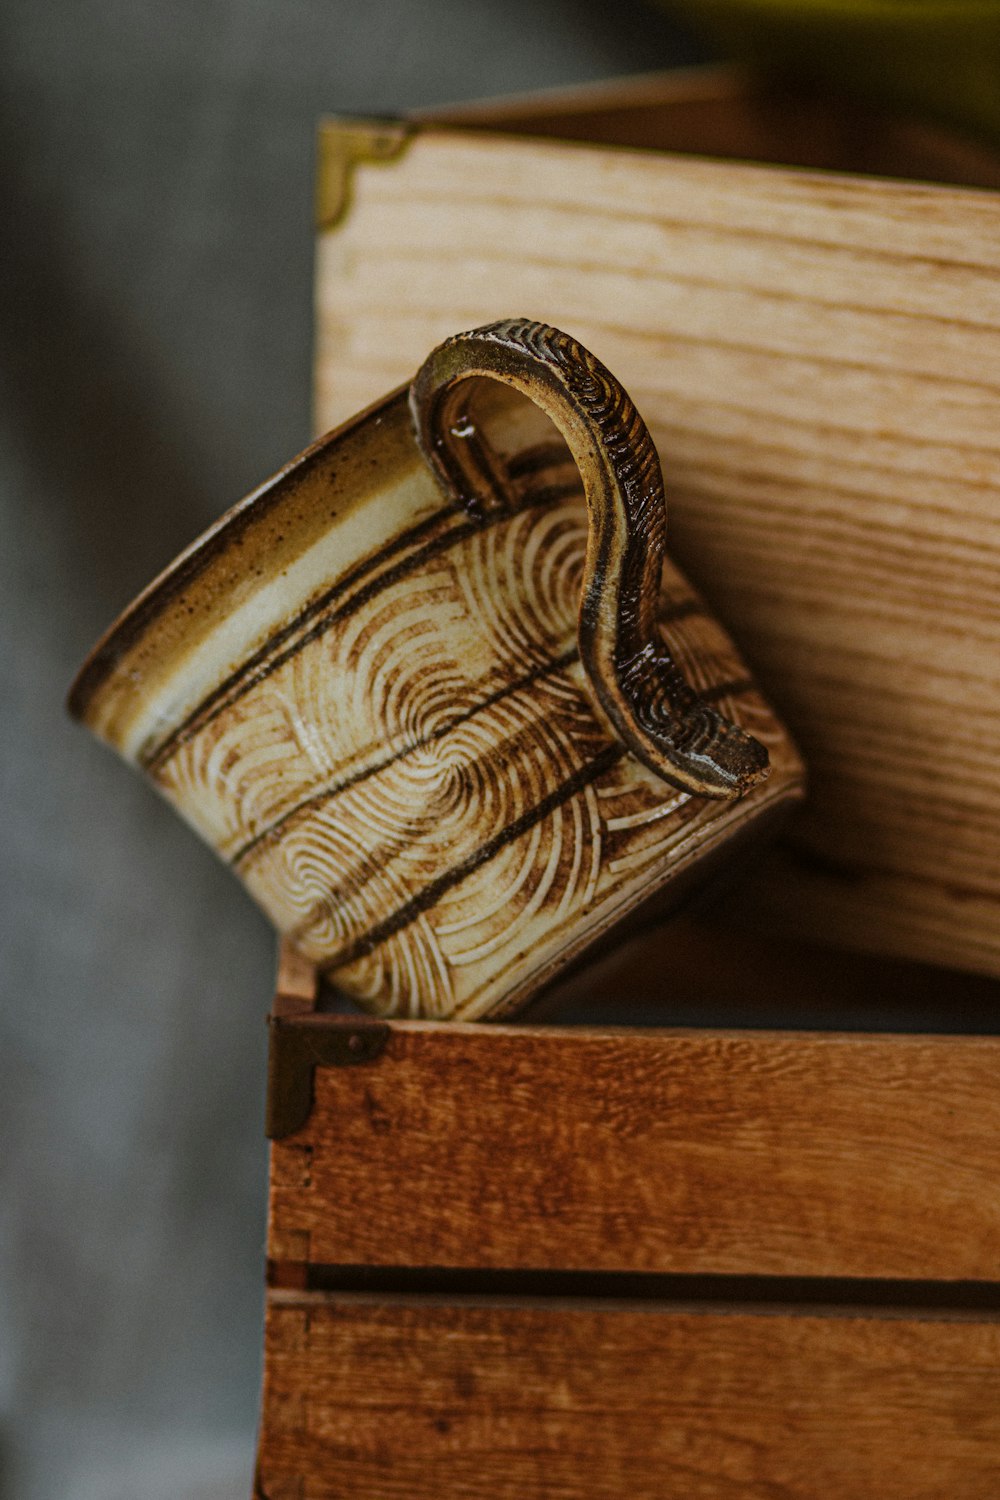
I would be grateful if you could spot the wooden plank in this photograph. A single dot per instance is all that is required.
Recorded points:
(818, 358)
(696, 972)
(725, 111)
(411, 1398)
(736, 1153)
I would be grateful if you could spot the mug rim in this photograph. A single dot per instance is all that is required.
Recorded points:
(141, 615)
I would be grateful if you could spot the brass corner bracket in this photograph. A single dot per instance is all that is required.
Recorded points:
(299, 1044)
(342, 145)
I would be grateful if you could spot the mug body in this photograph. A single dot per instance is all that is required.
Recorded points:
(371, 701)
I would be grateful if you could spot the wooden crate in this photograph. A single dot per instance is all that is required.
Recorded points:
(582, 1262)
(568, 1261)
(818, 357)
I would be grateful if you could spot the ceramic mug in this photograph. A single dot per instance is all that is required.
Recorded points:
(436, 694)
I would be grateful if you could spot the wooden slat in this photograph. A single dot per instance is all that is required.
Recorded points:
(818, 358)
(723, 111)
(407, 1398)
(677, 1152)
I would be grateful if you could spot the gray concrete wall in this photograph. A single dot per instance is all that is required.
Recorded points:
(155, 341)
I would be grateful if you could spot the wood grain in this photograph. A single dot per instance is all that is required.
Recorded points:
(818, 359)
(685, 1152)
(589, 1402)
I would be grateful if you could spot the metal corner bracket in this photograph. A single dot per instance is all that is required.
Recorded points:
(343, 144)
(301, 1044)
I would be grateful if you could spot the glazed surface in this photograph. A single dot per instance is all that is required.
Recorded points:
(409, 768)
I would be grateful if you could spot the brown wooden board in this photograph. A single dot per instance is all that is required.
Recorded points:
(729, 112)
(818, 359)
(730, 1153)
(405, 1398)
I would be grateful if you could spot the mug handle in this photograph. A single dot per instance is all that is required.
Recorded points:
(639, 686)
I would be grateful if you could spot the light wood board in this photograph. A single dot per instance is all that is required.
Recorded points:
(818, 358)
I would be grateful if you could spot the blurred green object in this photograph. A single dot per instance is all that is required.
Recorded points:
(939, 59)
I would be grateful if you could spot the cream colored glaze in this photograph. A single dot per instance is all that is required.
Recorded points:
(414, 778)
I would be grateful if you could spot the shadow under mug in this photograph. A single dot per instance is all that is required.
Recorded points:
(437, 695)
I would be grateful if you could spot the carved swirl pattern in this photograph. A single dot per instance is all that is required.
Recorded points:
(454, 815)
